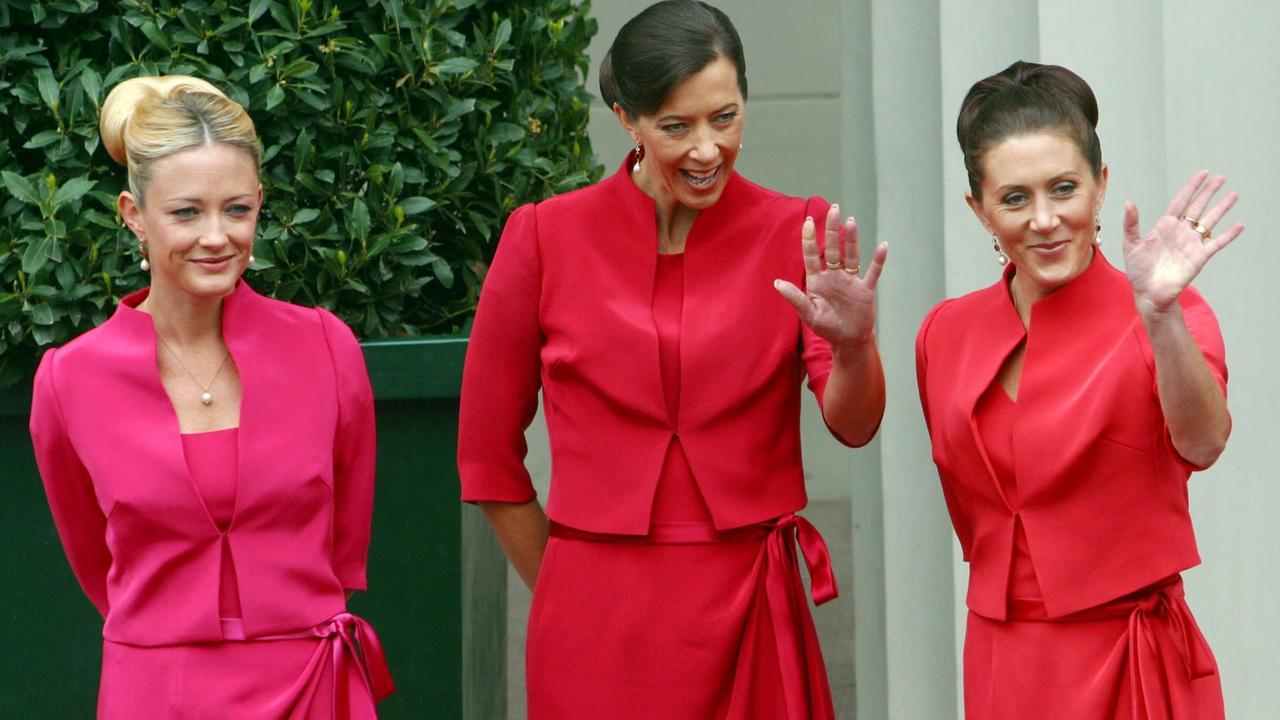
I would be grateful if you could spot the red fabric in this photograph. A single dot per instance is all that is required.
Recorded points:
(141, 543)
(566, 307)
(1102, 492)
(737, 644)
(996, 416)
(1140, 657)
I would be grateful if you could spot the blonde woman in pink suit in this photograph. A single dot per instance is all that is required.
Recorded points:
(208, 453)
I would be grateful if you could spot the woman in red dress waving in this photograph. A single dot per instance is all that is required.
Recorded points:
(652, 309)
(1067, 405)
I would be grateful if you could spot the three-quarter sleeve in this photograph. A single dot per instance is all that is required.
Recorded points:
(81, 524)
(354, 455)
(502, 374)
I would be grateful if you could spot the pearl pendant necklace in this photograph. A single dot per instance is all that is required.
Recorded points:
(206, 397)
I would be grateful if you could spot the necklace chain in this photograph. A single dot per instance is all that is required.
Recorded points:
(206, 397)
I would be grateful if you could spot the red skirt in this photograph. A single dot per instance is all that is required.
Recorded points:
(1140, 657)
(683, 624)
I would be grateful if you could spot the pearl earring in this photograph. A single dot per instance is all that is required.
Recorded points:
(252, 260)
(1097, 230)
(639, 156)
(1000, 256)
(145, 264)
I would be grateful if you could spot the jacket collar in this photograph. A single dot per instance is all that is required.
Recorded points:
(139, 325)
(639, 208)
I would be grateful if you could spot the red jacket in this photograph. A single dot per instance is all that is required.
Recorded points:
(567, 305)
(1103, 493)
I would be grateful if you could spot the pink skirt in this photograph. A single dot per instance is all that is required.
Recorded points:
(335, 671)
(683, 624)
(1140, 657)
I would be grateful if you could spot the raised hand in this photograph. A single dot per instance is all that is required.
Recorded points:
(1163, 262)
(837, 303)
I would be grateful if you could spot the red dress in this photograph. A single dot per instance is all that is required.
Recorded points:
(1083, 666)
(686, 623)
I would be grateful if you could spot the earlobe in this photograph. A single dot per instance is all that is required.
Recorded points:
(129, 212)
(976, 206)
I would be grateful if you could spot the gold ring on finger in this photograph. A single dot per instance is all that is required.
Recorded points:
(852, 270)
(1198, 226)
(834, 265)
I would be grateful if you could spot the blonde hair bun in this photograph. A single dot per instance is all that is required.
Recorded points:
(137, 93)
(146, 119)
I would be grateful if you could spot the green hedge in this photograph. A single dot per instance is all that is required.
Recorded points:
(397, 136)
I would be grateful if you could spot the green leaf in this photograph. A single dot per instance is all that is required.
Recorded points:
(442, 271)
(47, 85)
(358, 220)
(416, 204)
(456, 66)
(157, 36)
(43, 138)
(91, 81)
(458, 108)
(20, 187)
(37, 254)
(72, 190)
(257, 8)
(304, 216)
(503, 34)
(274, 96)
(505, 132)
(42, 314)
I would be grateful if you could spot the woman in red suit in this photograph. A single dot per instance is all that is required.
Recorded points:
(652, 309)
(208, 453)
(1067, 405)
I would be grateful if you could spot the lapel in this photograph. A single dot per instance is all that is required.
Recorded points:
(1063, 401)
(996, 333)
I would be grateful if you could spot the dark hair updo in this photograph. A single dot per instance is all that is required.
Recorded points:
(657, 49)
(1027, 98)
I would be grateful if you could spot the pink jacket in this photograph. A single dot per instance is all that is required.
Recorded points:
(135, 531)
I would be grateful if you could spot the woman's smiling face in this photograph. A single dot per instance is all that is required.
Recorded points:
(1040, 199)
(198, 220)
(692, 141)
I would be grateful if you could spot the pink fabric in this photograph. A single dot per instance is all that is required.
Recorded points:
(136, 531)
(739, 644)
(567, 307)
(213, 462)
(334, 671)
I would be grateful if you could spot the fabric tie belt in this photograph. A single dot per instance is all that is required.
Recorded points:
(1160, 622)
(780, 643)
(345, 640)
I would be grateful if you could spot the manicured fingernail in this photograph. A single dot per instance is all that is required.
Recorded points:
(777, 284)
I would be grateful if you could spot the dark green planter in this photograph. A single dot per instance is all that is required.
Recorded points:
(437, 580)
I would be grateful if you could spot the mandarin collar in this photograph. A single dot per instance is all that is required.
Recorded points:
(628, 189)
(137, 322)
(1098, 276)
